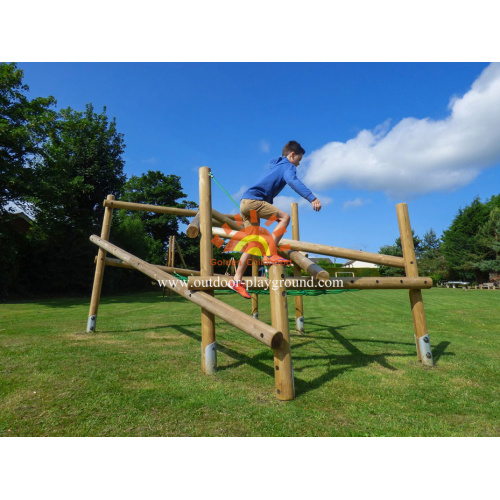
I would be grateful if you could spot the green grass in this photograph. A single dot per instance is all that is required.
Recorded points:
(356, 371)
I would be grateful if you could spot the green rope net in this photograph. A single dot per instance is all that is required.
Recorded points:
(311, 293)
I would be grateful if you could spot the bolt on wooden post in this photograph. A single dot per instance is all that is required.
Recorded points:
(297, 272)
(417, 304)
(283, 367)
(99, 269)
(208, 345)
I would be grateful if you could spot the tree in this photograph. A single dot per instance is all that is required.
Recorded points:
(462, 247)
(24, 127)
(489, 239)
(431, 261)
(396, 250)
(157, 188)
(81, 163)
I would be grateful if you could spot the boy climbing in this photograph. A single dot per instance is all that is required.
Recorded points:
(259, 199)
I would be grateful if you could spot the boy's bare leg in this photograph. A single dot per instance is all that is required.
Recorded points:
(283, 221)
(242, 266)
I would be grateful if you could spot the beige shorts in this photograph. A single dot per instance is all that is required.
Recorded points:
(263, 210)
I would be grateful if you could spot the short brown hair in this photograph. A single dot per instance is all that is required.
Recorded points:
(293, 146)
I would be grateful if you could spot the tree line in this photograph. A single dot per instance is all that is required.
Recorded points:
(468, 250)
(58, 167)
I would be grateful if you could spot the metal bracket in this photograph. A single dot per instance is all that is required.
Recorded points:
(91, 323)
(299, 323)
(424, 345)
(211, 358)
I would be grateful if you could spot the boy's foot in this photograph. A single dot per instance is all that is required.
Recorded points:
(275, 259)
(239, 287)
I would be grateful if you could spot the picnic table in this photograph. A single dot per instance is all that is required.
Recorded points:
(455, 284)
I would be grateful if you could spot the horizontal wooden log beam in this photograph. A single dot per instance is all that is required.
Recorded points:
(183, 272)
(266, 334)
(344, 253)
(158, 209)
(291, 283)
(144, 207)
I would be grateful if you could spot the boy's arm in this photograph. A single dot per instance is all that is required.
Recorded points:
(290, 176)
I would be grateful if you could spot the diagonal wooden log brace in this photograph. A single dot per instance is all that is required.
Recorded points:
(264, 333)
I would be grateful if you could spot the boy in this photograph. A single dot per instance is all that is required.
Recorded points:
(260, 197)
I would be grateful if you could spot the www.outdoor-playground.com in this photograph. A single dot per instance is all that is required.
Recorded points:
(263, 284)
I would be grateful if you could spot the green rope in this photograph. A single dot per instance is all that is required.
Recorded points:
(230, 197)
(311, 293)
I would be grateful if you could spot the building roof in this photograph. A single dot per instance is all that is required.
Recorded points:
(359, 263)
(17, 219)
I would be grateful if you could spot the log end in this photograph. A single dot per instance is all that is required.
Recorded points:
(192, 231)
(323, 275)
(276, 340)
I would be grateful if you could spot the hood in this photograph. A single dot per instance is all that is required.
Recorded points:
(278, 161)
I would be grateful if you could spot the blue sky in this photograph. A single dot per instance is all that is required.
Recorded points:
(376, 134)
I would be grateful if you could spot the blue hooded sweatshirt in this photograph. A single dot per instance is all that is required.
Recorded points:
(280, 173)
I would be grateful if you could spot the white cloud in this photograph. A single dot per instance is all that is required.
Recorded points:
(237, 195)
(284, 202)
(419, 156)
(264, 145)
(358, 202)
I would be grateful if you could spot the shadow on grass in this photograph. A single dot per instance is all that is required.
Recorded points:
(438, 351)
(356, 359)
(152, 297)
(336, 364)
(241, 359)
(149, 329)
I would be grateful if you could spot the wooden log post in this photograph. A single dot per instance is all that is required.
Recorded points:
(167, 262)
(417, 305)
(297, 272)
(208, 344)
(172, 259)
(283, 367)
(99, 269)
(180, 254)
(255, 297)
(166, 291)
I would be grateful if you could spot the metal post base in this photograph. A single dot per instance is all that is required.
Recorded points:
(424, 345)
(211, 358)
(299, 322)
(91, 324)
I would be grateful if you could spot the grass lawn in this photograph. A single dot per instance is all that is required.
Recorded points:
(356, 370)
